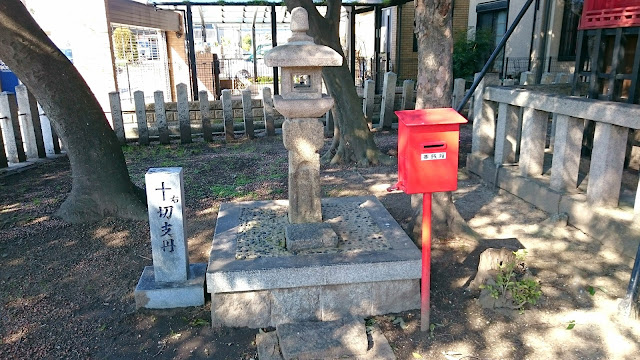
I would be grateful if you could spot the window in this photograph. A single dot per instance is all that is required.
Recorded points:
(492, 18)
(569, 34)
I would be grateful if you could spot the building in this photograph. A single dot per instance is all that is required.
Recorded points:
(147, 53)
(543, 41)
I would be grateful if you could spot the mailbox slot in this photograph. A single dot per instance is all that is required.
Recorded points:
(428, 150)
(435, 146)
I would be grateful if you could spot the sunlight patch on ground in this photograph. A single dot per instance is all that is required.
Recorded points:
(39, 220)
(16, 262)
(111, 238)
(15, 337)
(10, 208)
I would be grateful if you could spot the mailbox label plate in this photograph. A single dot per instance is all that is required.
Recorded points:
(433, 156)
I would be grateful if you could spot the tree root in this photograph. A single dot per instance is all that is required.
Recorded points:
(339, 153)
(86, 207)
(445, 218)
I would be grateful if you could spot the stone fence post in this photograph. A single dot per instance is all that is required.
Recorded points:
(4, 162)
(247, 111)
(30, 123)
(11, 128)
(484, 117)
(205, 114)
(329, 127)
(607, 162)
(527, 78)
(408, 95)
(369, 98)
(116, 116)
(547, 78)
(227, 113)
(183, 113)
(141, 117)
(562, 78)
(49, 135)
(388, 98)
(506, 134)
(268, 111)
(458, 92)
(161, 117)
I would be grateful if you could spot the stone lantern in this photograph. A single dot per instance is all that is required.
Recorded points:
(301, 103)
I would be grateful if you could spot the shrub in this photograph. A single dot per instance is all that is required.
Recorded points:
(470, 51)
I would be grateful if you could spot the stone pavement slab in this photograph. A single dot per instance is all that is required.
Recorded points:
(322, 340)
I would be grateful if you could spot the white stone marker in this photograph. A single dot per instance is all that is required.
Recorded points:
(165, 198)
(171, 281)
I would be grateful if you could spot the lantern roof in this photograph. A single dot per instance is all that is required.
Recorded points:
(300, 50)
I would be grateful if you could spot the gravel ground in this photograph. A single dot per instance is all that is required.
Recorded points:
(67, 290)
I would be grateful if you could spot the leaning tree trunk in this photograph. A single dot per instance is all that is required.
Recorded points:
(352, 142)
(435, 49)
(100, 181)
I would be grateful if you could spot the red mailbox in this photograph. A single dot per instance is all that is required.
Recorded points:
(428, 150)
(427, 163)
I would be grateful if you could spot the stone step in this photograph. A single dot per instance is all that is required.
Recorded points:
(339, 339)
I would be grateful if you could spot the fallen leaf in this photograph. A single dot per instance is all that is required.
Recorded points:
(417, 356)
(571, 325)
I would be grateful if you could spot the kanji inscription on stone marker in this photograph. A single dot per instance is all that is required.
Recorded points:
(165, 194)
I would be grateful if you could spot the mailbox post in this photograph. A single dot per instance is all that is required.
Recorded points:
(427, 163)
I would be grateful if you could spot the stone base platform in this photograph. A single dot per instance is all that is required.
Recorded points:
(152, 295)
(255, 282)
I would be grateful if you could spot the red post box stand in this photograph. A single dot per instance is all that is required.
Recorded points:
(428, 142)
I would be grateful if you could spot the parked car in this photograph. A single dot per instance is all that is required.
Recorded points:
(260, 51)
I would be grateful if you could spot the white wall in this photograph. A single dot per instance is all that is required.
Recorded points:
(81, 26)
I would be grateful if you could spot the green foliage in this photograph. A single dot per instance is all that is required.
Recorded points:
(521, 290)
(246, 42)
(198, 322)
(125, 45)
(470, 53)
(224, 191)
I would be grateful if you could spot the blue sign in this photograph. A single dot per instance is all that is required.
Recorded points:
(8, 80)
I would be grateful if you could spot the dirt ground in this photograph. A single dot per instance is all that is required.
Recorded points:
(66, 291)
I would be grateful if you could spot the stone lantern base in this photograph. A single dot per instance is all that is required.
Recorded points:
(256, 282)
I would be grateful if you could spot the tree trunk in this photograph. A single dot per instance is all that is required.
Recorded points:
(100, 181)
(435, 81)
(353, 142)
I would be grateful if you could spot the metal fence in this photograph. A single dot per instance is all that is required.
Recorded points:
(145, 75)
(515, 65)
(236, 74)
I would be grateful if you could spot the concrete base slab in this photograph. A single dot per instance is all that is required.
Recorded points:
(153, 295)
(322, 340)
(256, 282)
(309, 236)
